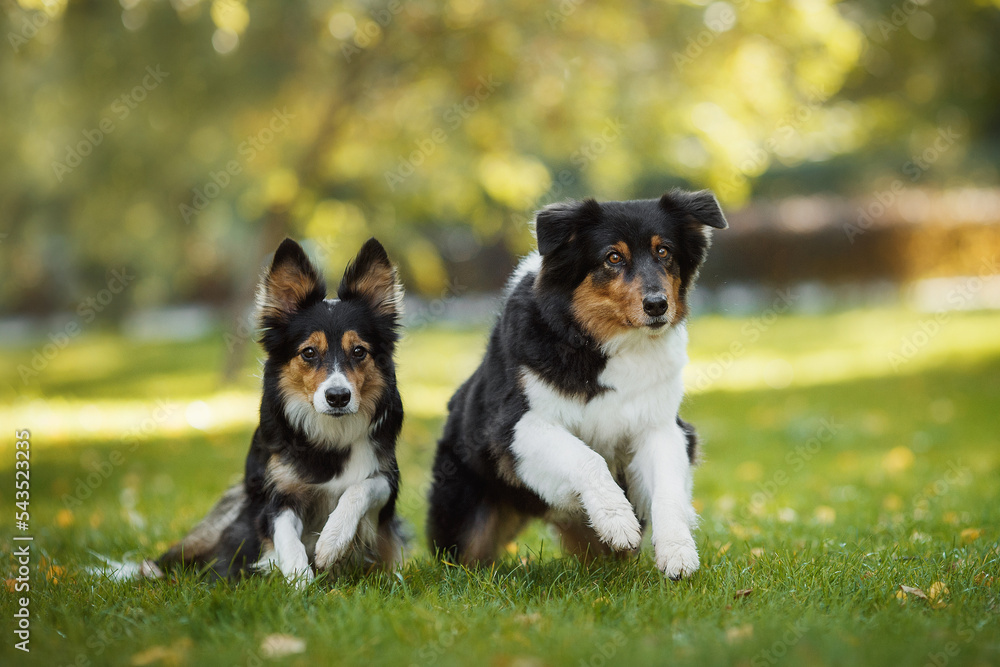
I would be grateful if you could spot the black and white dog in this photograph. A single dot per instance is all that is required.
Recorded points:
(573, 413)
(321, 477)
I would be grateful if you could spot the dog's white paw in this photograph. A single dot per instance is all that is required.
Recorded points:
(615, 523)
(297, 571)
(677, 558)
(333, 544)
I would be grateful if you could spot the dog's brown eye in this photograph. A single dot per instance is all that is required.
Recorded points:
(662, 252)
(615, 258)
(359, 352)
(309, 353)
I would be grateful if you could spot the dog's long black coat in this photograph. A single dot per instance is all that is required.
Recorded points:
(474, 483)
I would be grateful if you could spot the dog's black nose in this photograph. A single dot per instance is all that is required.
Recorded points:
(338, 398)
(655, 305)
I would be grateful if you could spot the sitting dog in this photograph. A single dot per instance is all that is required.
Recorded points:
(321, 478)
(572, 415)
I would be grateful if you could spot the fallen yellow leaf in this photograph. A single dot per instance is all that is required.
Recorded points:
(64, 518)
(738, 634)
(910, 590)
(174, 654)
(970, 534)
(277, 646)
(938, 589)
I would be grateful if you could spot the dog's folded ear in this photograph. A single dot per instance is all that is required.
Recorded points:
(291, 284)
(556, 224)
(701, 207)
(373, 278)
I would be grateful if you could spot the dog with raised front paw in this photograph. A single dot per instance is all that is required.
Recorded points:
(573, 414)
(321, 480)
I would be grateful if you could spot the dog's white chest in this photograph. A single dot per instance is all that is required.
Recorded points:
(360, 465)
(643, 377)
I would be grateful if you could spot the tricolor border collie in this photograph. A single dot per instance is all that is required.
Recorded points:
(573, 414)
(321, 477)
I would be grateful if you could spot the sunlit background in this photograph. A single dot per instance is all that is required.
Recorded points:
(845, 356)
(156, 152)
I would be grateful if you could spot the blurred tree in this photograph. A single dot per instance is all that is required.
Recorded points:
(183, 139)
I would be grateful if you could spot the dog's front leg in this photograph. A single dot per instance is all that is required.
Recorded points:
(289, 551)
(566, 473)
(664, 473)
(342, 526)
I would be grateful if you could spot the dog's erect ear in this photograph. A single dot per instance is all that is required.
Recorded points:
(372, 277)
(556, 224)
(700, 207)
(291, 284)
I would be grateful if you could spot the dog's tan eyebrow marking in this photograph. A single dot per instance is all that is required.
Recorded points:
(364, 374)
(300, 378)
(351, 340)
(658, 241)
(622, 249)
(317, 339)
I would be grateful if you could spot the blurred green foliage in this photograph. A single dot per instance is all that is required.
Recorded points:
(182, 139)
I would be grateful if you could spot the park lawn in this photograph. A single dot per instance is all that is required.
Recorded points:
(846, 455)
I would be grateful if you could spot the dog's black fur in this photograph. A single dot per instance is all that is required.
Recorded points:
(544, 326)
(293, 310)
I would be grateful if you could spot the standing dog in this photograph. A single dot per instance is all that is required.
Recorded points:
(573, 413)
(321, 478)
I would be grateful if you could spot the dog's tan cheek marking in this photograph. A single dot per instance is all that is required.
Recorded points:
(365, 376)
(672, 287)
(671, 281)
(300, 378)
(607, 309)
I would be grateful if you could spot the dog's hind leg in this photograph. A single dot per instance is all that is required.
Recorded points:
(491, 527)
(580, 540)
(463, 525)
(202, 545)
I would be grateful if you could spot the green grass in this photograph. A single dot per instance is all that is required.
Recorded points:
(830, 479)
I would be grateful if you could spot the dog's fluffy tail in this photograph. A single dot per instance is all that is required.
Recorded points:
(124, 570)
